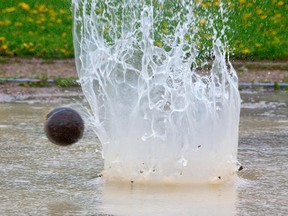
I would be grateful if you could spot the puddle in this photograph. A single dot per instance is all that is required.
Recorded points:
(39, 178)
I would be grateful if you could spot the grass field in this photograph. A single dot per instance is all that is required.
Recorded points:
(259, 29)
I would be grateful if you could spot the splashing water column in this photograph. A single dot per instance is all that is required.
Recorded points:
(163, 107)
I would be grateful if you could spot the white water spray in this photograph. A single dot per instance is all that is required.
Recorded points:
(160, 112)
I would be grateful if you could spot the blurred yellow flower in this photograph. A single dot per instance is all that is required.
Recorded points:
(25, 45)
(165, 30)
(246, 51)
(24, 6)
(258, 45)
(18, 24)
(259, 11)
(9, 10)
(59, 21)
(30, 20)
(42, 8)
(158, 44)
(4, 47)
(2, 39)
(63, 50)
(247, 15)
(61, 11)
(280, 3)
(216, 3)
(7, 22)
(242, 1)
(202, 22)
(278, 16)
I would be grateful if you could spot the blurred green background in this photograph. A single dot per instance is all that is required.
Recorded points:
(43, 28)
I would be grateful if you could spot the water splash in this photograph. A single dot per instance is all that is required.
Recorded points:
(163, 94)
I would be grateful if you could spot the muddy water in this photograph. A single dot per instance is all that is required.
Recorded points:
(39, 178)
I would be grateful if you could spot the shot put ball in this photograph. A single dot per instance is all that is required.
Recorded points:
(64, 126)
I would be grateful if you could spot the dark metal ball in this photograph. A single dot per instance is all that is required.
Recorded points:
(64, 126)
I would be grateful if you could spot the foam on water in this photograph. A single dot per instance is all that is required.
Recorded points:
(163, 95)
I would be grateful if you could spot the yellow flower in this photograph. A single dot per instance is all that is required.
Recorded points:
(247, 15)
(24, 6)
(216, 3)
(242, 1)
(25, 45)
(7, 22)
(30, 20)
(278, 16)
(34, 11)
(63, 50)
(280, 3)
(158, 44)
(202, 22)
(9, 10)
(59, 21)
(246, 51)
(2, 39)
(42, 8)
(263, 17)
(165, 30)
(18, 24)
(259, 11)
(61, 11)
(258, 45)
(4, 47)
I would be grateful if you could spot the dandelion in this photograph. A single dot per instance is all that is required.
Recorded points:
(278, 16)
(246, 51)
(61, 11)
(216, 3)
(9, 10)
(24, 6)
(30, 20)
(63, 50)
(7, 22)
(242, 1)
(247, 16)
(258, 45)
(18, 24)
(259, 11)
(280, 3)
(25, 45)
(2, 39)
(202, 22)
(59, 21)
(158, 44)
(4, 47)
(165, 30)
(42, 8)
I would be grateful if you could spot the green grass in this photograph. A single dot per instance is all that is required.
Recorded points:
(260, 29)
(36, 28)
(29, 28)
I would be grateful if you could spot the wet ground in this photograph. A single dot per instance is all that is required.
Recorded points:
(39, 178)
